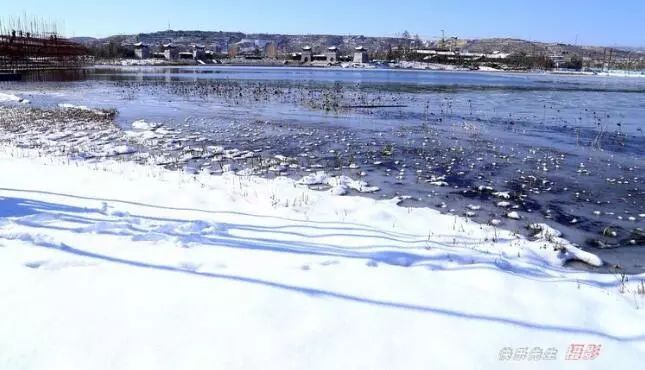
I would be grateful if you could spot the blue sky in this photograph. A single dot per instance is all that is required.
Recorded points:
(619, 22)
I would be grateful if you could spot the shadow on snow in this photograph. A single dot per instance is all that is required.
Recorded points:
(21, 211)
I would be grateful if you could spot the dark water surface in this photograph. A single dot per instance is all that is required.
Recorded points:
(570, 151)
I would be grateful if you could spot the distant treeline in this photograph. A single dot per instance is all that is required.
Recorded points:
(111, 50)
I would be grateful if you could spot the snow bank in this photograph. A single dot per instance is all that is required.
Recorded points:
(568, 251)
(112, 265)
(488, 69)
(426, 66)
(81, 107)
(142, 62)
(12, 98)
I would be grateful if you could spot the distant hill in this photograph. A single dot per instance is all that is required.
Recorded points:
(84, 40)
(515, 46)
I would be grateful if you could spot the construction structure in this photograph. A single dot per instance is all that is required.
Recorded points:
(22, 51)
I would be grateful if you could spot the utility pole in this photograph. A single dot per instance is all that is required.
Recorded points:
(443, 39)
(604, 59)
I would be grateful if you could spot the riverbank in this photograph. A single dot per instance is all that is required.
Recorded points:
(402, 65)
(108, 264)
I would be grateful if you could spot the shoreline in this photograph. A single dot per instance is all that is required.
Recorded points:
(370, 67)
(545, 237)
(126, 147)
(234, 156)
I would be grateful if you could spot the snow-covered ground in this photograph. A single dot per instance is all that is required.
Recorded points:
(136, 62)
(427, 66)
(4, 97)
(118, 266)
(609, 73)
(622, 73)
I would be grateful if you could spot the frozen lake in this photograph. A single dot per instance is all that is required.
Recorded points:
(565, 150)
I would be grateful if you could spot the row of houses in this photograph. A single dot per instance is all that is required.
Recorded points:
(558, 60)
(258, 49)
(243, 49)
(331, 55)
(249, 49)
(253, 48)
(170, 51)
(458, 54)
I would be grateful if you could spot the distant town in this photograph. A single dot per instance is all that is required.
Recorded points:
(201, 47)
(38, 47)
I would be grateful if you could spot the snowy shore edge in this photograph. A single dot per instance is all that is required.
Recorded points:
(114, 265)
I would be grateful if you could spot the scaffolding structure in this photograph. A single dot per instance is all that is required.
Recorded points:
(32, 44)
(22, 52)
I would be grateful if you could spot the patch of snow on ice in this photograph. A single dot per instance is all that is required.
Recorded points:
(145, 125)
(338, 183)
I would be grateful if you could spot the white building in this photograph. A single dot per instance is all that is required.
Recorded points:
(141, 50)
(360, 55)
